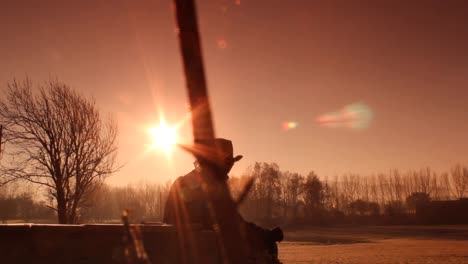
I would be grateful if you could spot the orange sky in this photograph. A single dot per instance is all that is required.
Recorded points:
(267, 62)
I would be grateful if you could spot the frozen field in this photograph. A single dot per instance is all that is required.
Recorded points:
(376, 245)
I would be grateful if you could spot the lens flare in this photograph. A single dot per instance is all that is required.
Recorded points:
(356, 116)
(221, 43)
(288, 125)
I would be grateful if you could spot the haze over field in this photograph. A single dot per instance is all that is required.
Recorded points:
(269, 62)
(385, 245)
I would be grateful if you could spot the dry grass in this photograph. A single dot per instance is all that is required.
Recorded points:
(376, 245)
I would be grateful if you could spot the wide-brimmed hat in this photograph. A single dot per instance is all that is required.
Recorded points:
(222, 147)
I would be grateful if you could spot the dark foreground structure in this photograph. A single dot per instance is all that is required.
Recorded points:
(444, 212)
(30, 243)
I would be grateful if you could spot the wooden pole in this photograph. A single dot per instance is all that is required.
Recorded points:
(190, 47)
(223, 211)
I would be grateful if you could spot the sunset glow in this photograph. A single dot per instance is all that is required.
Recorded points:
(343, 88)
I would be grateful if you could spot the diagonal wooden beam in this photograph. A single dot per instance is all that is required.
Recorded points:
(223, 211)
(190, 47)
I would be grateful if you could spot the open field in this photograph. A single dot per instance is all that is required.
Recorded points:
(376, 245)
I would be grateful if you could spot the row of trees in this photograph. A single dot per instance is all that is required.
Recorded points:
(24, 207)
(284, 197)
(104, 203)
(145, 201)
(290, 196)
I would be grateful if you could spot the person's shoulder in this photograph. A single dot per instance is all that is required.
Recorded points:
(182, 177)
(191, 179)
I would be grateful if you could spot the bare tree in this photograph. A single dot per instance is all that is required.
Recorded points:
(351, 187)
(292, 191)
(57, 138)
(4, 179)
(267, 185)
(383, 188)
(435, 188)
(374, 194)
(396, 182)
(446, 189)
(459, 180)
(101, 204)
(313, 193)
(336, 189)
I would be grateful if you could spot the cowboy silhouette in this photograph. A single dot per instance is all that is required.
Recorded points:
(187, 203)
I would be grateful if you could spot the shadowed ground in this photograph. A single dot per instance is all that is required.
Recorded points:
(376, 245)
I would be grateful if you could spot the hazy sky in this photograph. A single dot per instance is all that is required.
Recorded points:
(267, 62)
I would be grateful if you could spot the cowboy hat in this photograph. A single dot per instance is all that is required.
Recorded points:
(222, 147)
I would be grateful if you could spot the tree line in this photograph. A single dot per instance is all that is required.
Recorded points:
(104, 204)
(289, 198)
(23, 207)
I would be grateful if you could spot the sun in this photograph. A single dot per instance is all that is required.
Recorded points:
(163, 137)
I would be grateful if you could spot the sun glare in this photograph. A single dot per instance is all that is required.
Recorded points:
(163, 137)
